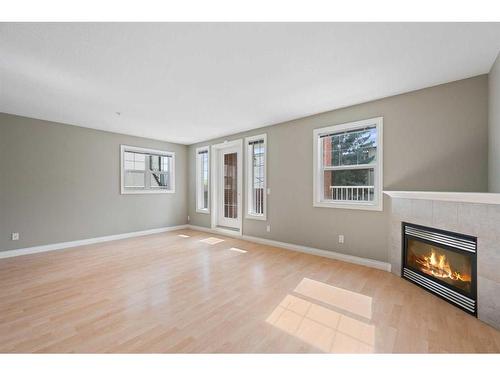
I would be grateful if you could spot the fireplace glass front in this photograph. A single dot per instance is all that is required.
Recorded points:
(450, 267)
(442, 262)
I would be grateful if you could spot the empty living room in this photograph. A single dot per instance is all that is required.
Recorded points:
(252, 188)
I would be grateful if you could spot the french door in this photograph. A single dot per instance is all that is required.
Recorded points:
(228, 185)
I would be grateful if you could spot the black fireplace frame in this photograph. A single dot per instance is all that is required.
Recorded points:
(473, 256)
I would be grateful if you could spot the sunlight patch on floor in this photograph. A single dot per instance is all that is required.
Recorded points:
(325, 329)
(325, 324)
(237, 250)
(212, 240)
(347, 300)
(183, 235)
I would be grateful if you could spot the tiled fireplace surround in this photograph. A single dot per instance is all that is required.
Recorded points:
(481, 220)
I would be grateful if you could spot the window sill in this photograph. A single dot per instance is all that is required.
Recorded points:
(125, 192)
(202, 211)
(350, 206)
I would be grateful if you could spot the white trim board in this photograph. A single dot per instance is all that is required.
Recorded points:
(88, 241)
(485, 198)
(384, 266)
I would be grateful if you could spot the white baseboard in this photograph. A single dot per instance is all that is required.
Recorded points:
(284, 245)
(88, 241)
(303, 249)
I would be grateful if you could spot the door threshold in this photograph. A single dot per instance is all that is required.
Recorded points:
(228, 230)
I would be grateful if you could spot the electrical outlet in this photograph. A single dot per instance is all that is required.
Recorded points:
(268, 191)
(341, 238)
(189, 218)
(15, 236)
(268, 228)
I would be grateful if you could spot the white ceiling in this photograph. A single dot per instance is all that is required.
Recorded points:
(191, 82)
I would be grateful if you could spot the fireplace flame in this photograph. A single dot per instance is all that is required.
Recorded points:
(437, 265)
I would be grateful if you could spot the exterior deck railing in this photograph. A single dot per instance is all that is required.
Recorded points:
(352, 193)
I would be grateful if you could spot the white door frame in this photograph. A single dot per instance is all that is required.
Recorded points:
(214, 180)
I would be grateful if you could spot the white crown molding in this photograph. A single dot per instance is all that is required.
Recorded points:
(303, 249)
(88, 241)
(485, 198)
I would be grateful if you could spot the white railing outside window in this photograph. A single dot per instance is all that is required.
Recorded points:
(352, 193)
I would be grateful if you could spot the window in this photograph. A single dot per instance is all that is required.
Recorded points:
(348, 165)
(147, 171)
(256, 177)
(202, 180)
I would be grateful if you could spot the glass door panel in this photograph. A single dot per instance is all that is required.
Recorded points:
(230, 186)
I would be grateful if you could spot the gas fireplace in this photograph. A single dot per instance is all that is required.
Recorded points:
(442, 262)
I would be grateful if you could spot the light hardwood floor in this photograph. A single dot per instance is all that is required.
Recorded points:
(210, 293)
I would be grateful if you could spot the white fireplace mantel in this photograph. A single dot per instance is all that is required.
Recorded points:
(484, 198)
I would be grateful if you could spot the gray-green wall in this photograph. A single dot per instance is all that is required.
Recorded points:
(61, 183)
(494, 127)
(434, 139)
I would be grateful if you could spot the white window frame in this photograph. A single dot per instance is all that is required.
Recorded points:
(198, 181)
(147, 172)
(249, 214)
(318, 201)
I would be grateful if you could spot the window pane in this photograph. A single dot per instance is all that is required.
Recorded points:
(159, 163)
(257, 152)
(204, 179)
(129, 164)
(129, 156)
(134, 179)
(159, 180)
(154, 163)
(350, 148)
(351, 184)
(202, 171)
(134, 161)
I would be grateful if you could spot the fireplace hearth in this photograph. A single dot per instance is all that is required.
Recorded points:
(442, 262)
